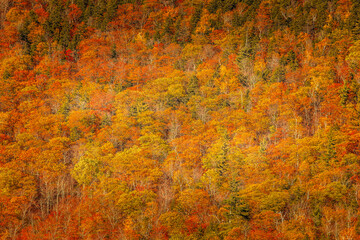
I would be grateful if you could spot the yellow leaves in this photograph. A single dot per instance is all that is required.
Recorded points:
(15, 184)
(158, 88)
(191, 51)
(336, 191)
(14, 63)
(227, 81)
(132, 203)
(108, 148)
(138, 208)
(51, 161)
(132, 166)
(276, 201)
(168, 91)
(217, 156)
(211, 180)
(23, 138)
(320, 77)
(176, 91)
(145, 118)
(126, 100)
(110, 187)
(204, 75)
(4, 117)
(228, 42)
(173, 220)
(353, 58)
(86, 170)
(296, 127)
(59, 143)
(154, 144)
(165, 135)
(140, 38)
(94, 165)
(259, 66)
(192, 200)
(15, 15)
(9, 181)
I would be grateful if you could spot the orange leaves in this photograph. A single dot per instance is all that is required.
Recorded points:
(41, 13)
(264, 226)
(84, 120)
(43, 127)
(193, 201)
(343, 9)
(143, 130)
(102, 101)
(93, 48)
(74, 12)
(263, 17)
(16, 196)
(93, 60)
(130, 17)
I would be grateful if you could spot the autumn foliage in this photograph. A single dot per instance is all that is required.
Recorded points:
(179, 119)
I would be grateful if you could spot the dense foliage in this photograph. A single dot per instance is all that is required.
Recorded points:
(179, 119)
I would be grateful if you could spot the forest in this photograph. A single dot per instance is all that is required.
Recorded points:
(180, 119)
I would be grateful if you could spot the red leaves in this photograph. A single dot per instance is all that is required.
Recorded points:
(41, 13)
(264, 226)
(74, 13)
(220, 133)
(69, 55)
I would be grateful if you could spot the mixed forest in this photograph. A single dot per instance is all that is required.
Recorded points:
(180, 119)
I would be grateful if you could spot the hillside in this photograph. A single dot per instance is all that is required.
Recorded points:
(179, 119)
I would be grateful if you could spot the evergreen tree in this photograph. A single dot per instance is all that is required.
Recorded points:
(195, 18)
(298, 21)
(54, 23)
(354, 19)
(99, 11)
(110, 12)
(65, 34)
(23, 34)
(193, 86)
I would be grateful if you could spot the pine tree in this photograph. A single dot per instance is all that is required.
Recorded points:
(354, 19)
(195, 18)
(65, 35)
(193, 86)
(54, 23)
(110, 12)
(23, 34)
